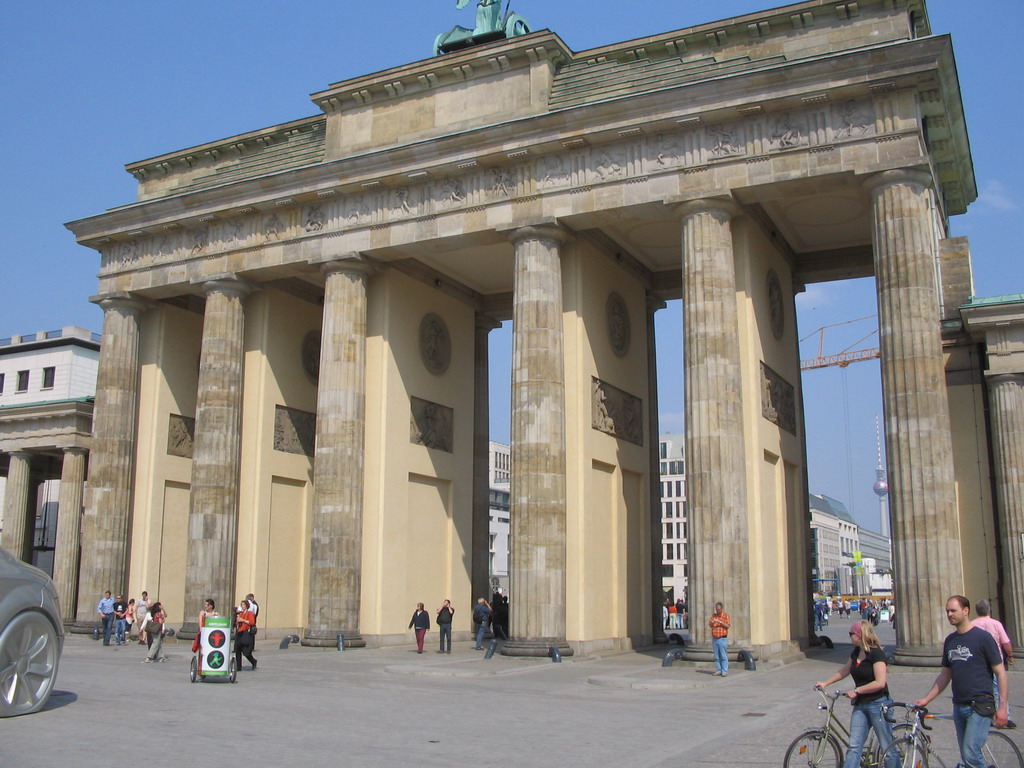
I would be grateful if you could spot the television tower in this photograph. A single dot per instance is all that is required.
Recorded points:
(881, 487)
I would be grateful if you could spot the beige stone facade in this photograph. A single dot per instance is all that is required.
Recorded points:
(729, 164)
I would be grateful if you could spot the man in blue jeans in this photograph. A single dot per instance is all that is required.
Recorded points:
(482, 616)
(970, 657)
(719, 624)
(105, 608)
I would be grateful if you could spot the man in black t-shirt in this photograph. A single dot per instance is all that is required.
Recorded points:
(120, 622)
(969, 658)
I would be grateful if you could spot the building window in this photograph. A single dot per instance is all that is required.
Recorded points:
(668, 530)
(49, 375)
(1, 383)
(663, 450)
(22, 381)
(668, 551)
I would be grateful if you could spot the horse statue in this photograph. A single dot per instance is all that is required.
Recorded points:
(490, 25)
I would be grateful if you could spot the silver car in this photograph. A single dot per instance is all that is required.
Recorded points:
(31, 636)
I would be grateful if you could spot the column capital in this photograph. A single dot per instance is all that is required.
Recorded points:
(485, 322)
(227, 283)
(76, 450)
(721, 206)
(355, 263)
(1004, 378)
(898, 176)
(654, 303)
(125, 303)
(546, 228)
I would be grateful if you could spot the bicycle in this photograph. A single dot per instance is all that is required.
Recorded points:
(913, 747)
(826, 747)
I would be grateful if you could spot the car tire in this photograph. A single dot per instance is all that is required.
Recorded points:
(29, 654)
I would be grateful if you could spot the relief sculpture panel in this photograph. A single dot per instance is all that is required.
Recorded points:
(432, 425)
(616, 413)
(181, 435)
(778, 400)
(294, 431)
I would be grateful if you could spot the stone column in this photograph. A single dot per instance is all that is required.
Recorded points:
(718, 548)
(213, 501)
(69, 520)
(917, 427)
(108, 503)
(654, 484)
(336, 545)
(16, 533)
(538, 526)
(480, 576)
(1006, 405)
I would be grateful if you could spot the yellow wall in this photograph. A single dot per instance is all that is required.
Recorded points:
(417, 521)
(971, 467)
(776, 503)
(275, 491)
(608, 580)
(169, 373)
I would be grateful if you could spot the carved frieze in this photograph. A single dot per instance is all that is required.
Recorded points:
(778, 400)
(294, 431)
(432, 425)
(694, 146)
(616, 413)
(181, 435)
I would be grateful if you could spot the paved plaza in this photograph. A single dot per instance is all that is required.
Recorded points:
(392, 707)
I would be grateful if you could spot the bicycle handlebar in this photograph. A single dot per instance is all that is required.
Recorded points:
(920, 712)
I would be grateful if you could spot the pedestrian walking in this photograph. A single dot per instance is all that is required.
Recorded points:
(481, 617)
(970, 657)
(869, 668)
(420, 621)
(105, 608)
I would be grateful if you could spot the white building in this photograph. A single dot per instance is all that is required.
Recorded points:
(675, 570)
(47, 387)
(499, 470)
(834, 539)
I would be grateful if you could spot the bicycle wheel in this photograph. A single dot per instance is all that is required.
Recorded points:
(815, 749)
(1001, 752)
(909, 753)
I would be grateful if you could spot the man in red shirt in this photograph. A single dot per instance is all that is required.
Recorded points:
(720, 623)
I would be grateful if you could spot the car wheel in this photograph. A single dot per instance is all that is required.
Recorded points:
(28, 663)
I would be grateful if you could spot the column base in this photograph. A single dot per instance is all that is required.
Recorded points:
(85, 627)
(918, 655)
(537, 647)
(707, 652)
(188, 630)
(329, 638)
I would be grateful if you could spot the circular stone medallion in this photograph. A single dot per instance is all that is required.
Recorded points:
(435, 344)
(775, 305)
(618, 324)
(311, 355)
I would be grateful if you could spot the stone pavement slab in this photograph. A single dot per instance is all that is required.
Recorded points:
(393, 707)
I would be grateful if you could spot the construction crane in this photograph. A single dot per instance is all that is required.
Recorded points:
(846, 356)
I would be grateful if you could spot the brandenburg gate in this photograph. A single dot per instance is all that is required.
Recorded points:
(293, 382)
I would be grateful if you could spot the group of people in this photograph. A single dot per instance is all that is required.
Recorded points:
(121, 619)
(674, 615)
(148, 620)
(485, 614)
(975, 657)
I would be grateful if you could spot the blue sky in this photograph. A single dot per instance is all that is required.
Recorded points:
(89, 87)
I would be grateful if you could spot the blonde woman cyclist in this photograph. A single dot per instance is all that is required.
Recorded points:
(869, 669)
